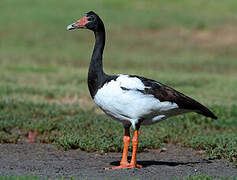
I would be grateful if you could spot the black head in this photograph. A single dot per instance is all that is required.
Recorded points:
(91, 21)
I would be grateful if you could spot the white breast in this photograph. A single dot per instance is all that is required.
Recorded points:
(131, 105)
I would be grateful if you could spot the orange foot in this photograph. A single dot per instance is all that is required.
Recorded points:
(125, 166)
(134, 165)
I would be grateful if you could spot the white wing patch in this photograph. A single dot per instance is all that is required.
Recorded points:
(130, 82)
(131, 105)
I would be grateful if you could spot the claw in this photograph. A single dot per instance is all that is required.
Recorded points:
(125, 166)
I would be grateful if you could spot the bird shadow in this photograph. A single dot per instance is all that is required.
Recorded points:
(166, 163)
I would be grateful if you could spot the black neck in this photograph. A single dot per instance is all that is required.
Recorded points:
(96, 65)
(96, 74)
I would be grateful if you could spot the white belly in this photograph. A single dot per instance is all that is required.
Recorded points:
(131, 105)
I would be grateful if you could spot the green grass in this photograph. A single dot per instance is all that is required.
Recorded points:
(33, 178)
(70, 127)
(43, 70)
(19, 178)
(206, 177)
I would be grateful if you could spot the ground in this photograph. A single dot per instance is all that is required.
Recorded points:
(45, 160)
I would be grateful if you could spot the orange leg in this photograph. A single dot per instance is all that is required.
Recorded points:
(135, 140)
(126, 141)
(124, 162)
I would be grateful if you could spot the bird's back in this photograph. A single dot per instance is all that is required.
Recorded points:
(132, 98)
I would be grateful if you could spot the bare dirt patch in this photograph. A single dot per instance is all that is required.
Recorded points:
(47, 161)
(221, 36)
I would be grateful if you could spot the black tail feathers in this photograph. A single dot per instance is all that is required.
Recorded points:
(206, 112)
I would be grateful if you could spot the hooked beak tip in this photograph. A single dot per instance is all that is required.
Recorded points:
(70, 27)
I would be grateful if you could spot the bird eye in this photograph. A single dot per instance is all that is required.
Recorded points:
(89, 19)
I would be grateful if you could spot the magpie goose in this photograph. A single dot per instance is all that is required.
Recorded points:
(131, 99)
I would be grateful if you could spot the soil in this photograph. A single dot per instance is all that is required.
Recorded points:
(46, 161)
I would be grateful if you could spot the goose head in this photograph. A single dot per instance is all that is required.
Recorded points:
(91, 21)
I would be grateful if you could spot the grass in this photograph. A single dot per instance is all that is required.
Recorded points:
(206, 177)
(31, 178)
(71, 127)
(43, 70)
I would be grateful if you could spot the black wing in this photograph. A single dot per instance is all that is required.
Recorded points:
(165, 93)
